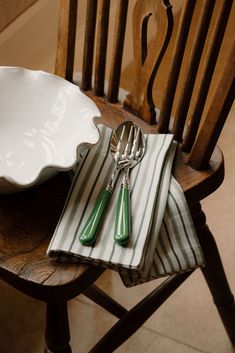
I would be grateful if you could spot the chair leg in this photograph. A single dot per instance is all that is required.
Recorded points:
(214, 274)
(57, 328)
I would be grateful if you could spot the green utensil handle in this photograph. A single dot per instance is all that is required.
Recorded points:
(92, 226)
(122, 230)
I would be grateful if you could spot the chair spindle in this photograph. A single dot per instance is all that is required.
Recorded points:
(208, 70)
(89, 42)
(192, 68)
(102, 41)
(118, 44)
(66, 39)
(216, 115)
(178, 52)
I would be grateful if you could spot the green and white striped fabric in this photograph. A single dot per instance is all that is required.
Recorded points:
(163, 238)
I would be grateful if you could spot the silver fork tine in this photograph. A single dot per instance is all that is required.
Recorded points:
(119, 148)
(121, 153)
(135, 143)
(129, 141)
(134, 140)
(119, 145)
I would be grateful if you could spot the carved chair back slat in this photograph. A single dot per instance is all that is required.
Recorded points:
(148, 56)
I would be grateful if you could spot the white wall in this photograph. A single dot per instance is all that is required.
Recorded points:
(30, 40)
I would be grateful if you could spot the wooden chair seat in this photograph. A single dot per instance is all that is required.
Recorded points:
(28, 220)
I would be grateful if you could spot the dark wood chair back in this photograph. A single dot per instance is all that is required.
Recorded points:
(200, 33)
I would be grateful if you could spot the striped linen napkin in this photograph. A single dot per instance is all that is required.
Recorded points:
(163, 238)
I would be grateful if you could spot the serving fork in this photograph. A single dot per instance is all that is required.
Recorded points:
(133, 155)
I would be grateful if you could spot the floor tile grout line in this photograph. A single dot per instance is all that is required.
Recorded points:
(144, 327)
(174, 339)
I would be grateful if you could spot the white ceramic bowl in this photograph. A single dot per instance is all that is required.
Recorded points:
(43, 121)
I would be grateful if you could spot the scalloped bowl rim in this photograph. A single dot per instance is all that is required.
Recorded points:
(51, 167)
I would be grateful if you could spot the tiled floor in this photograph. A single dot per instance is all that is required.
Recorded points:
(187, 323)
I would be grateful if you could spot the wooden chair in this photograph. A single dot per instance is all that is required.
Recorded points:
(27, 220)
